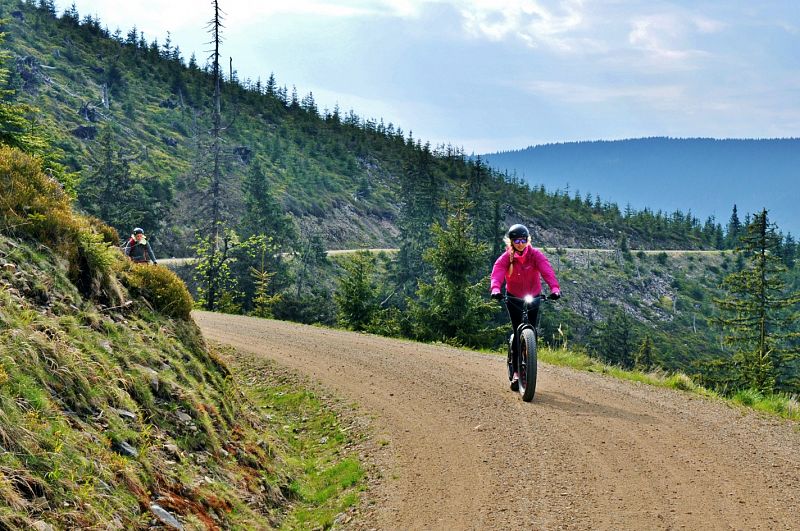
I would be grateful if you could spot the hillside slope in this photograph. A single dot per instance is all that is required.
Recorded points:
(455, 449)
(114, 417)
(114, 412)
(131, 117)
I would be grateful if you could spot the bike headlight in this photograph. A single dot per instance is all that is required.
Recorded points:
(528, 299)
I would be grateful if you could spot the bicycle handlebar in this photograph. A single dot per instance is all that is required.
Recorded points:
(541, 297)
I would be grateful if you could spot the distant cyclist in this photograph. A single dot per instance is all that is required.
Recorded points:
(521, 267)
(138, 248)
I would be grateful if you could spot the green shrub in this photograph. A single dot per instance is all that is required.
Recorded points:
(34, 205)
(682, 382)
(109, 234)
(748, 397)
(99, 256)
(161, 287)
(31, 203)
(696, 291)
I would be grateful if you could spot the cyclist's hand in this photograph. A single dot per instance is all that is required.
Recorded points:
(497, 295)
(554, 296)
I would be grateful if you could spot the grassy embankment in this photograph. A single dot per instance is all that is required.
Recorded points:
(326, 479)
(777, 404)
(113, 410)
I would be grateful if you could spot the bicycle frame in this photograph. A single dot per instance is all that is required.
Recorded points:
(528, 303)
(524, 360)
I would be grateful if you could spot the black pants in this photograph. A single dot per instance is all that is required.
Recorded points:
(515, 314)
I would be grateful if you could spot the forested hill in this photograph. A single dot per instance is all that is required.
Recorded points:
(701, 175)
(130, 117)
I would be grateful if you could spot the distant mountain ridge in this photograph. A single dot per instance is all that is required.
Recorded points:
(703, 175)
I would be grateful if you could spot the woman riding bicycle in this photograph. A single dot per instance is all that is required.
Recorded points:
(521, 267)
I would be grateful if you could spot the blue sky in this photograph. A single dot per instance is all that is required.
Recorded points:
(505, 74)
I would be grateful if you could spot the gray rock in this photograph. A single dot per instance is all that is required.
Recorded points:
(41, 525)
(173, 449)
(85, 132)
(152, 376)
(124, 413)
(165, 517)
(183, 417)
(124, 448)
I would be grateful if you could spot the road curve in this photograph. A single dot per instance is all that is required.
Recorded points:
(461, 451)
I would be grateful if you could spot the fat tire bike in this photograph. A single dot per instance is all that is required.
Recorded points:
(527, 333)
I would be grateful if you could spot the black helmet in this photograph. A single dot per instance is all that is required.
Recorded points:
(518, 231)
(138, 230)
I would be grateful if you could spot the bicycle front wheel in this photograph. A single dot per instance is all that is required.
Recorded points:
(527, 364)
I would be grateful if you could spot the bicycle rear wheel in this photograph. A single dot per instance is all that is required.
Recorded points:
(527, 364)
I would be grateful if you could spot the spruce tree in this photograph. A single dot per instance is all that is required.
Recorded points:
(264, 297)
(614, 341)
(789, 251)
(71, 15)
(453, 307)
(357, 294)
(734, 229)
(419, 188)
(644, 358)
(106, 191)
(758, 316)
(263, 214)
(485, 212)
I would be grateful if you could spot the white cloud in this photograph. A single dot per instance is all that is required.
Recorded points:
(247, 10)
(662, 37)
(531, 21)
(328, 8)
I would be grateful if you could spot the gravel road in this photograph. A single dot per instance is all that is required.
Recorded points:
(455, 449)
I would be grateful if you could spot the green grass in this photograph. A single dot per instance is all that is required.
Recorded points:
(781, 405)
(326, 480)
(68, 371)
(324, 495)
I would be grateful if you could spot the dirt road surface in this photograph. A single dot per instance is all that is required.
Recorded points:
(456, 449)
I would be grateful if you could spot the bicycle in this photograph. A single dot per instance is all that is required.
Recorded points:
(528, 335)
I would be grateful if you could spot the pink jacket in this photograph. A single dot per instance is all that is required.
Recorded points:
(525, 277)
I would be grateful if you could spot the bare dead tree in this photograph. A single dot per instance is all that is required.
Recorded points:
(216, 132)
(213, 273)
